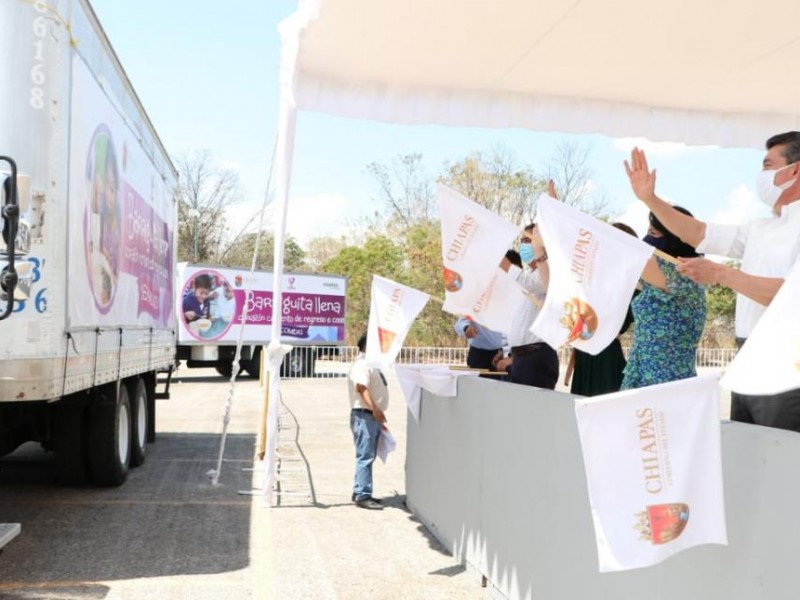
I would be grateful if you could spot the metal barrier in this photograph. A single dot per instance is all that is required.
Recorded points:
(334, 361)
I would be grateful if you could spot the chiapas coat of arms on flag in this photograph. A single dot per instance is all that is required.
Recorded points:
(594, 269)
(474, 241)
(654, 471)
(393, 308)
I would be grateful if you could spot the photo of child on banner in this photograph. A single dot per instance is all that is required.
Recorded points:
(594, 270)
(393, 308)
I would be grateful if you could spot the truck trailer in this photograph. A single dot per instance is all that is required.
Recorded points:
(212, 300)
(91, 318)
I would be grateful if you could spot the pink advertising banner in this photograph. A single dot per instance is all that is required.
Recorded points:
(121, 219)
(213, 302)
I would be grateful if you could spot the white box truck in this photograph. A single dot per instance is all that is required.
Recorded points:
(210, 304)
(91, 321)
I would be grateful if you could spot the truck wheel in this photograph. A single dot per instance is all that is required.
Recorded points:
(253, 365)
(299, 363)
(69, 443)
(110, 435)
(224, 367)
(139, 420)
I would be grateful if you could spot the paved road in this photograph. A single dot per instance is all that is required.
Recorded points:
(169, 534)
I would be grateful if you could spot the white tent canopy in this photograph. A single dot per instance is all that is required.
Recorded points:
(708, 72)
(699, 72)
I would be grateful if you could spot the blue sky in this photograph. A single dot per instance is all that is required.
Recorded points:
(207, 75)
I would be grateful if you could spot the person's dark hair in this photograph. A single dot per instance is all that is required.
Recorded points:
(791, 143)
(202, 281)
(626, 228)
(513, 258)
(530, 227)
(362, 343)
(673, 245)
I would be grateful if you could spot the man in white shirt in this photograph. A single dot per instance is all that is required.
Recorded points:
(767, 248)
(369, 398)
(531, 362)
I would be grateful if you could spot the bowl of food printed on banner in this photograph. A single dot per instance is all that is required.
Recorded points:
(102, 222)
(208, 305)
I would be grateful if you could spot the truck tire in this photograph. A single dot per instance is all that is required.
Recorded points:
(137, 394)
(110, 435)
(69, 443)
(299, 363)
(224, 367)
(252, 366)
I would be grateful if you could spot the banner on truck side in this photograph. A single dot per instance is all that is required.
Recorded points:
(120, 218)
(211, 301)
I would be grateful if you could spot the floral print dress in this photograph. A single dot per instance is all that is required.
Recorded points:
(668, 328)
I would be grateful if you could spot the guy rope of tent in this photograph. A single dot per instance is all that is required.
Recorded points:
(216, 472)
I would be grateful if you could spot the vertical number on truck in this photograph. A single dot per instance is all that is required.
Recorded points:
(38, 77)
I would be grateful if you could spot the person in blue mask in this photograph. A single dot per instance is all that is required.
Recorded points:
(531, 361)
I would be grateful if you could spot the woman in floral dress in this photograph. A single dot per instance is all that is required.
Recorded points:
(669, 314)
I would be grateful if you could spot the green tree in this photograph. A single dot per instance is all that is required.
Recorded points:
(378, 256)
(720, 315)
(422, 246)
(240, 253)
(320, 250)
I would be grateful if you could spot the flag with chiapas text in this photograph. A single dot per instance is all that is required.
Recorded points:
(593, 272)
(474, 242)
(393, 308)
(654, 471)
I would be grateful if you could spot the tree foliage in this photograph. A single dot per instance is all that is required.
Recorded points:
(205, 192)
(240, 253)
(405, 189)
(568, 168)
(498, 183)
(422, 246)
(378, 256)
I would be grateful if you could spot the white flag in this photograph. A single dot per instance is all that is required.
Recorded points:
(386, 444)
(594, 269)
(474, 241)
(769, 363)
(654, 471)
(496, 306)
(393, 308)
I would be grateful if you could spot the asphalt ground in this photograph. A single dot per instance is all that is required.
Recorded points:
(168, 533)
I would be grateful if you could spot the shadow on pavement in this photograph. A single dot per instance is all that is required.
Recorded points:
(166, 520)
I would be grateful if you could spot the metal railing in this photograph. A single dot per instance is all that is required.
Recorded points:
(327, 361)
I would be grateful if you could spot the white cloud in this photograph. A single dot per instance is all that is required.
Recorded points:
(659, 149)
(742, 205)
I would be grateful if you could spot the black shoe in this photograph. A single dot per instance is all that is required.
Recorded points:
(369, 503)
(353, 498)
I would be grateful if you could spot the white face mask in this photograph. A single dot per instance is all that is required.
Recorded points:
(768, 192)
